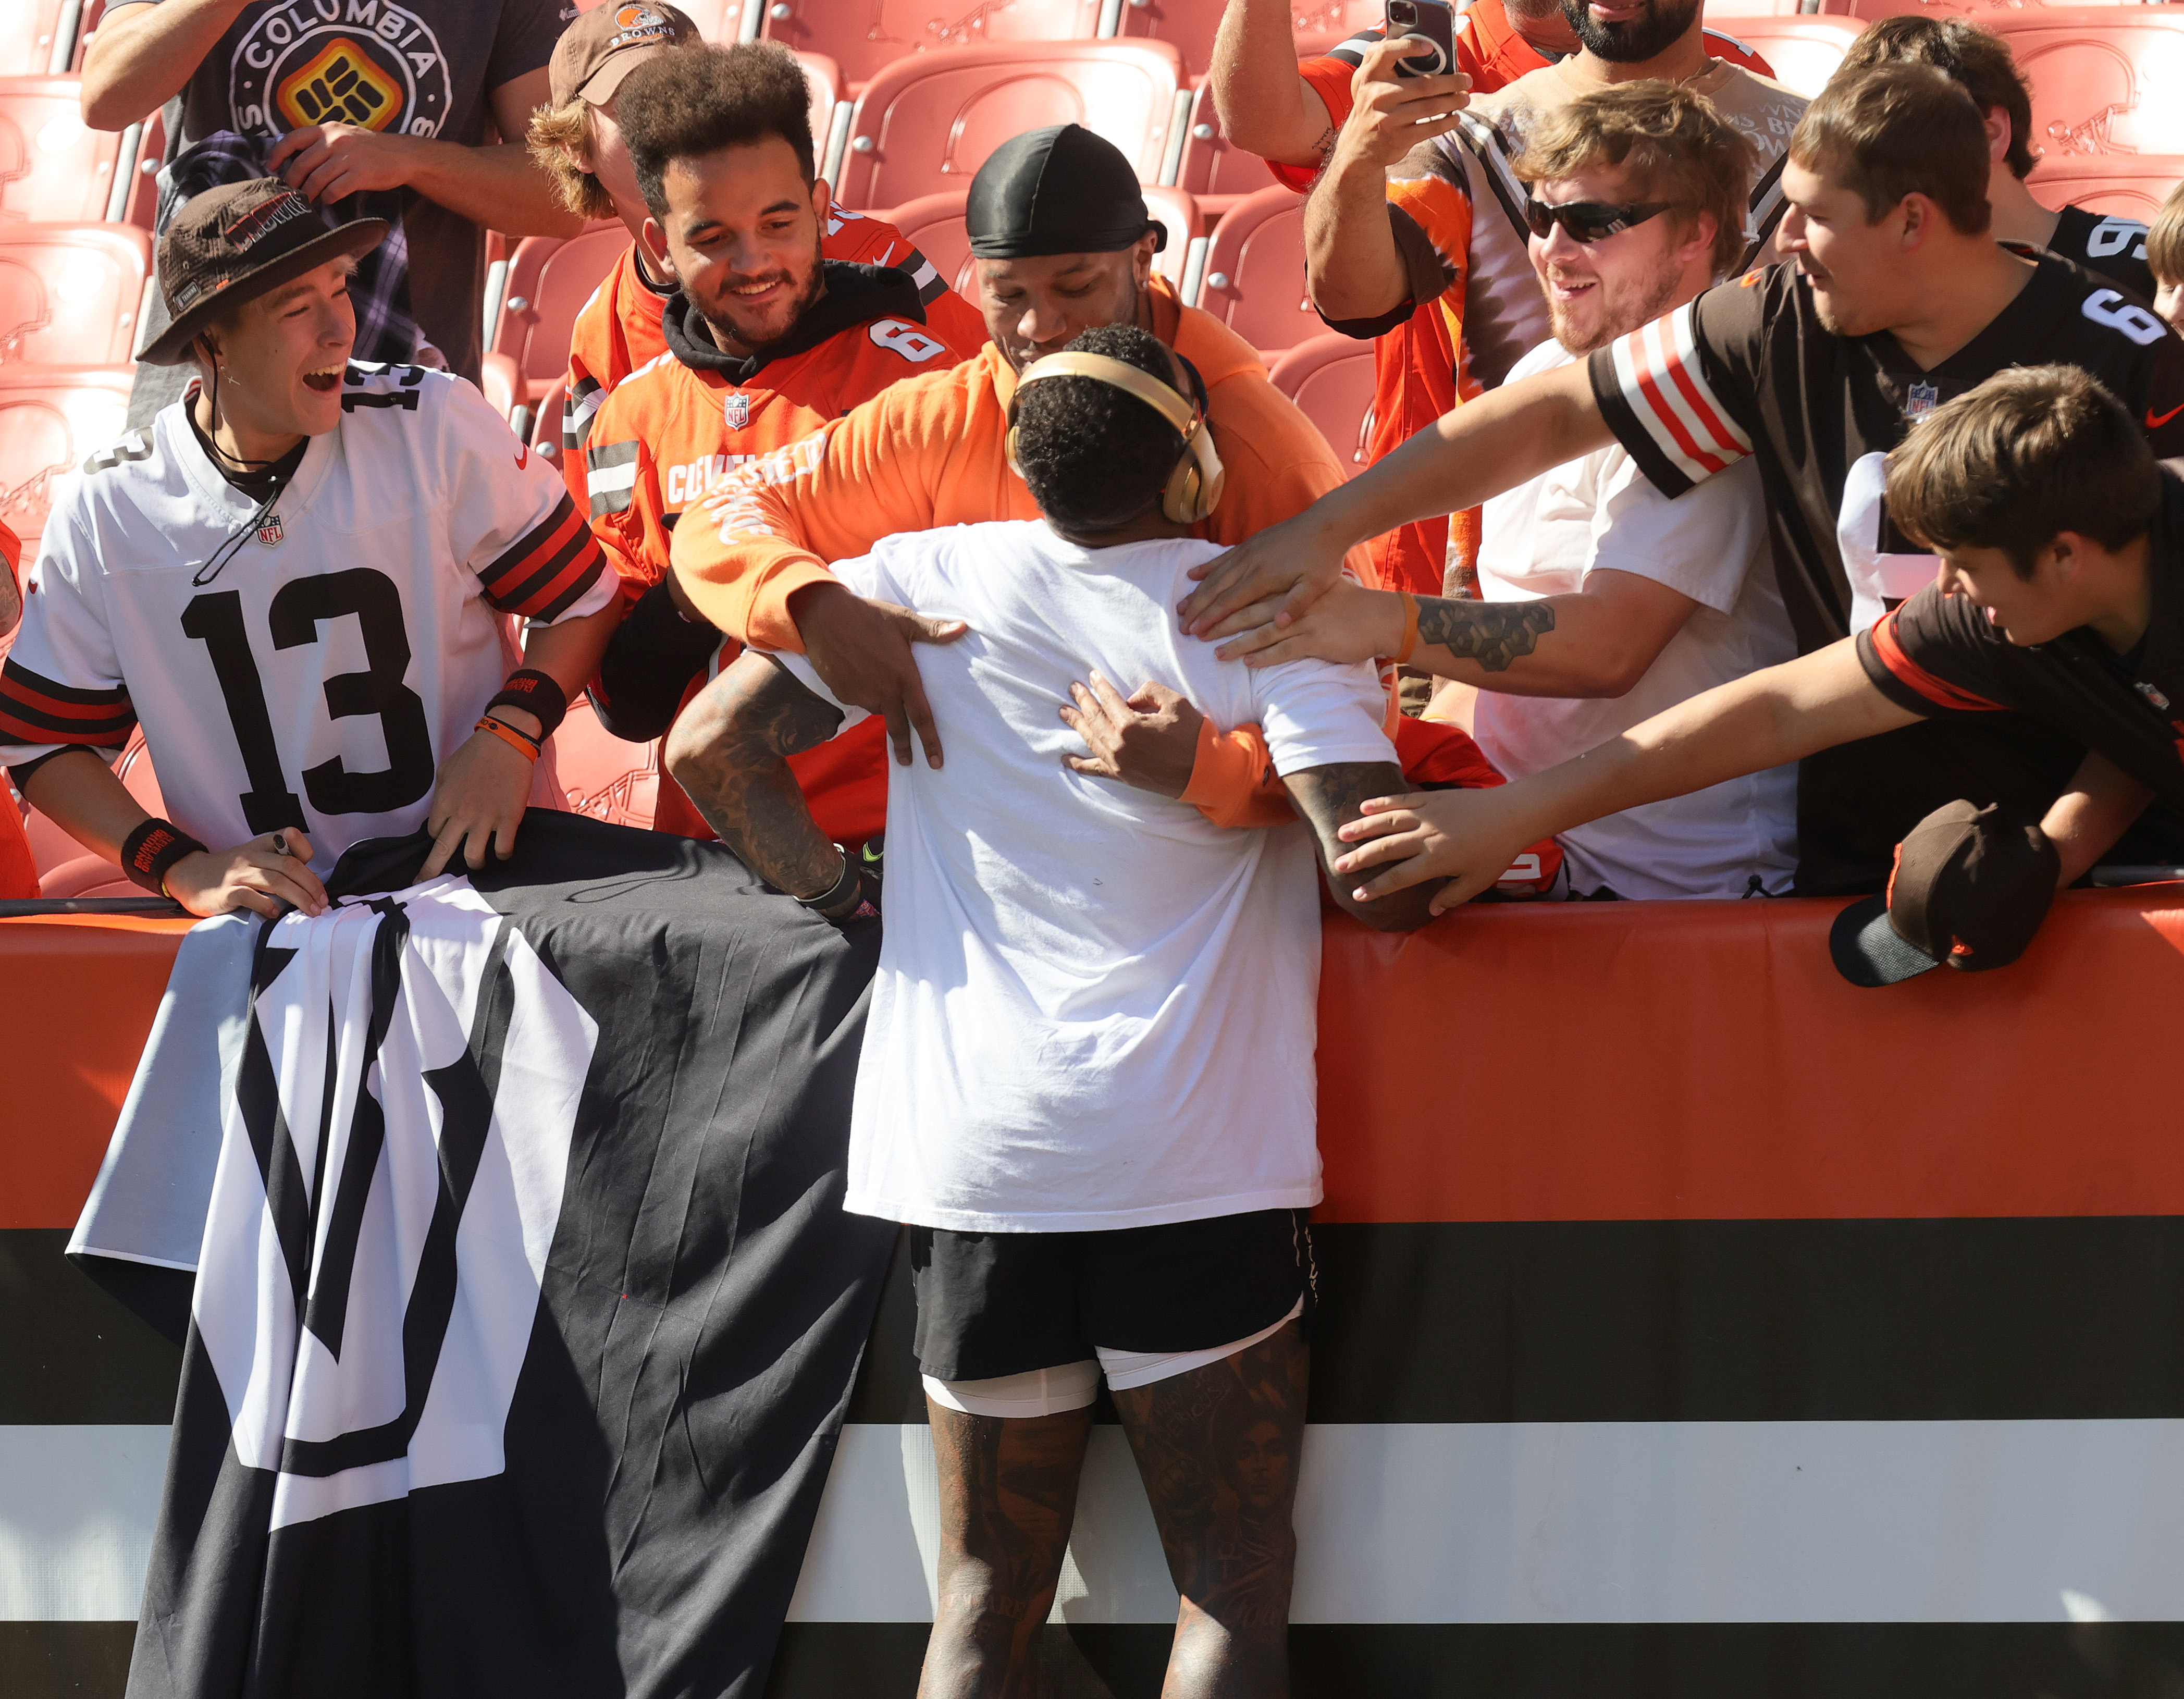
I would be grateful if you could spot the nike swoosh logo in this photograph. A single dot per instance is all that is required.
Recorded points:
(2154, 424)
(523, 456)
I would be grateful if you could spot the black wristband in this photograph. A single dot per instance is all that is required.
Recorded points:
(840, 891)
(534, 693)
(151, 848)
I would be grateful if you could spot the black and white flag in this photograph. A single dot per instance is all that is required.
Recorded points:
(525, 1310)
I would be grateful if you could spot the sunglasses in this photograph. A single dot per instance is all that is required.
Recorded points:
(1590, 221)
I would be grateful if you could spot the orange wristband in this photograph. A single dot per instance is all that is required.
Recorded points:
(509, 735)
(1409, 627)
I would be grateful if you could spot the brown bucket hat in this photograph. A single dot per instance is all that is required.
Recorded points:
(233, 243)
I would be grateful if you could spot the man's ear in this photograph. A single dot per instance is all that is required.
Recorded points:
(1698, 240)
(1141, 260)
(1919, 217)
(1997, 133)
(822, 202)
(656, 246)
(2060, 561)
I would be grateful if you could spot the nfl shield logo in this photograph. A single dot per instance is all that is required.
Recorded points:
(1920, 399)
(737, 410)
(269, 533)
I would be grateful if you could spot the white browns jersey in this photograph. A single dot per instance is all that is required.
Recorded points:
(316, 679)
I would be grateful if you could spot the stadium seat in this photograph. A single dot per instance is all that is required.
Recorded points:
(866, 35)
(603, 776)
(55, 169)
(69, 294)
(2104, 78)
(1330, 377)
(934, 224)
(2129, 185)
(1979, 11)
(1804, 50)
(549, 281)
(1216, 175)
(830, 108)
(717, 20)
(927, 122)
(27, 28)
(1186, 26)
(51, 419)
(545, 434)
(1254, 280)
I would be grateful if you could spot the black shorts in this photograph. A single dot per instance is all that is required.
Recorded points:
(991, 1304)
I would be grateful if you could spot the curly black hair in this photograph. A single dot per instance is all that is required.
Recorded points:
(1095, 457)
(699, 100)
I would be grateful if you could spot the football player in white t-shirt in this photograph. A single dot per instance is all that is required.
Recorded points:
(303, 583)
(1087, 1080)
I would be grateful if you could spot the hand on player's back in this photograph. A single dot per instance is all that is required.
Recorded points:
(1148, 740)
(1285, 568)
(267, 876)
(1393, 114)
(1349, 623)
(860, 650)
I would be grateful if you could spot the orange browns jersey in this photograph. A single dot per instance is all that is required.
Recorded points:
(619, 329)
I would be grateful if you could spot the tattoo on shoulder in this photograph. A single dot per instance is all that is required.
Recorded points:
(1491, 633)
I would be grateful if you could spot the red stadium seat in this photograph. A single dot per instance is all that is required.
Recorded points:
(69, 294)
(1255, 280)
(27, 28)
(602, 775)
(1217, 175)
(1804, 51)
(2104, 78)
(549, 281)
(1979, 11)
(866, 36)
(934, 224)
(55, 169)
(1328, 22)
(927, 122)
(2129, 185)
(828, 92)
(51, 419)
(1186, 26)
(545, 433)
(1330, 377)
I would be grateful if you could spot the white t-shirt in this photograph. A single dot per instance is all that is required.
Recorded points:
(1092, 1009)
(1541, 539)
(317, 680)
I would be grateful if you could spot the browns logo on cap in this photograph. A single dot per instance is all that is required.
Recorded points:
(605, 45)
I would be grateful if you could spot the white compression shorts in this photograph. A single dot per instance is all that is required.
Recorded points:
(1049, 1391)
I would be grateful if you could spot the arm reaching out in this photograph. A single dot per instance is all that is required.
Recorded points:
(1264, 106)
(1781, 714)
(1332, 797)
(2085, 822)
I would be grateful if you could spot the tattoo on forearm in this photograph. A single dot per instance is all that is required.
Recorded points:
(1491, 633)
(746, 722)
(1330, 797)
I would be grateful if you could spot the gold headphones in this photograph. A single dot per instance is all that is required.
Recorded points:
(1193, 489)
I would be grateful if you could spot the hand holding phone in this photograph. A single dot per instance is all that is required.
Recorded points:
(1430, 21)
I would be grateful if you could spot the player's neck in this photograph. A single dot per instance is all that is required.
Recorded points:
(240, 445)
(2017, 216)
(1967, 283)
(1147, 527)
(2121, 625)
(1683, 60)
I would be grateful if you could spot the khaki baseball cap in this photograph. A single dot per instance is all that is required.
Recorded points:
(607, 43)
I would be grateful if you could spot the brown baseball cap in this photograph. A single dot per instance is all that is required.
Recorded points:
(607, 43)
(232, 244)
(1970, 886)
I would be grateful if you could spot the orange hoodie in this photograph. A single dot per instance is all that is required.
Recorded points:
(932, 451)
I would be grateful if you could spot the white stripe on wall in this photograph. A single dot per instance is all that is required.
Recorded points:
(1529, 1523)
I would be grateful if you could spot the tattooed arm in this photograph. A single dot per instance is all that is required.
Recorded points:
(730, 750)
(1598, 642)
(1330, 797)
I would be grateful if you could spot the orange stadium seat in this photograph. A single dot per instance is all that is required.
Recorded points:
(55, 169)
(1186, 26)
(1217, 175)
(1254, 280)
(1979, 11)
(828, 94)
(69, 294)
(2104, 78)
(27, 29)
(545, 434)
(865, 36)
(549, 281)
(935, 224)
(927, 122)
(1330, 377)
(51, 419)
(2129, 185)
(1804, 50)
(604, 776)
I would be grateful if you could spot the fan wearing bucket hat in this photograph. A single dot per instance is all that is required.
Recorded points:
(303, 582)
(578, 143)
(2058, 593)
(1062, 241)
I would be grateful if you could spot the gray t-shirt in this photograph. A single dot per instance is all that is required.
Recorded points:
(423, 69)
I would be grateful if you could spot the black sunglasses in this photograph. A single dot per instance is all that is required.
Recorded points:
(1590, 221)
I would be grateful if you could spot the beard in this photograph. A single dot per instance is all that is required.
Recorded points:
(1640, 38)
(776, 325)
(1623, 308)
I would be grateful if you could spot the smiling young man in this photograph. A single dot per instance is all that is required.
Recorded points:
(1063, 242)
(1899, 300)
(577, 142)
(1601, 600)
(304, 582)
(766, 341)
(2058, 598)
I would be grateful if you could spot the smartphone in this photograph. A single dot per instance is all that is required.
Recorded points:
(1433, 21)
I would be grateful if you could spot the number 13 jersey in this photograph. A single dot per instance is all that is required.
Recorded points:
(318, 676)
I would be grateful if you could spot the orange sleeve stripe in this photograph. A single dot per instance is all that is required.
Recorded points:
(1938, 691)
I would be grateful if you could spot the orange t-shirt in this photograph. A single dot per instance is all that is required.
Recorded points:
(19, 872)
(933, 452)
(619, 329)
(680, 425)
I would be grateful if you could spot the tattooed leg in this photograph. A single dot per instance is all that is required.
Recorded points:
(1217, 1448)
(1008, 1494)
(1491, 633)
